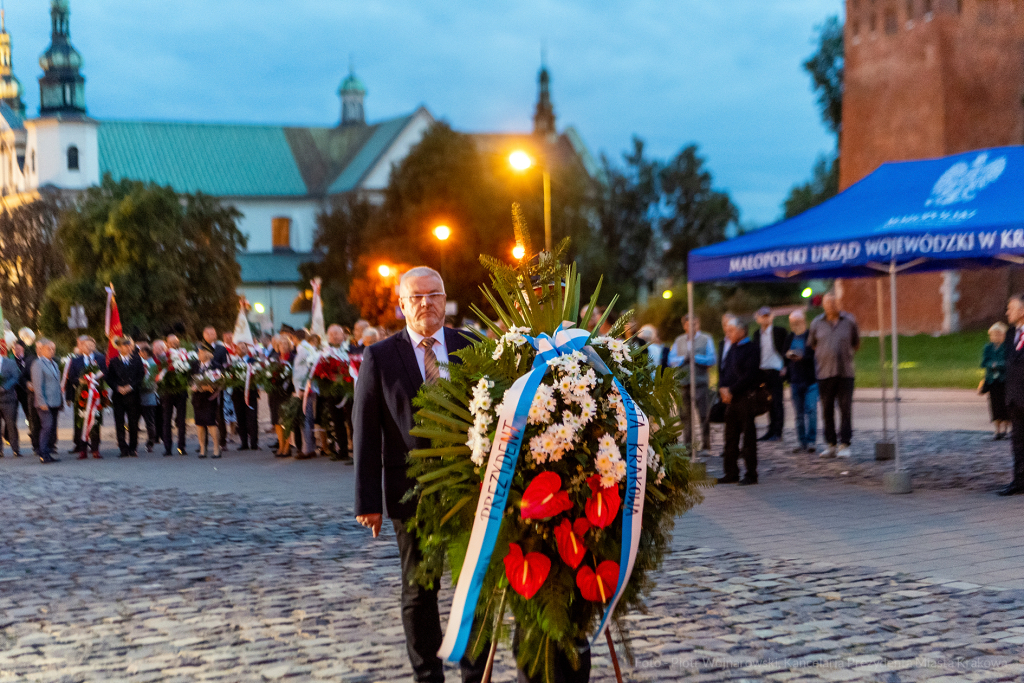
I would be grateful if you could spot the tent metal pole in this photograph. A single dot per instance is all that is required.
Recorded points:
(895, 356)
(881, 356)
(695, 420)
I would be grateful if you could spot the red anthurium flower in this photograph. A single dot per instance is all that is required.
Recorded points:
(570, 546)
(581, 526)
(544, 498)
(598, 586)
(603, 504)
(526, 574)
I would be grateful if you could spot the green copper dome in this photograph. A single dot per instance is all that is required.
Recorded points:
(352, 84)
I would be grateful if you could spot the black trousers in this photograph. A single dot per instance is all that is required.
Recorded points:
(341, 418)
(833, 390)
(32, 415)
(421, 620)
(126, 407)
(222, 431)
(564, 673)
(245, 417)
(9, 424)
(776, 413)
(1017, 439)
(173, 408)
(739, 422)
(149, 414)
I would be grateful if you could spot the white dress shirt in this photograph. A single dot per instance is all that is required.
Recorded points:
(440, 352)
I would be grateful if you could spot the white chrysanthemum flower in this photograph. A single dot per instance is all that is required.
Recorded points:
(608, 481)
(498, 351)
(606, 444)
(604, 464)
(619, 470)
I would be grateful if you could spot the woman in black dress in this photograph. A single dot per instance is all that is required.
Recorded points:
(993, 359)
(204, 401)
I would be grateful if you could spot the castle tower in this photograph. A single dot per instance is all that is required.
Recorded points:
(10, 87)
(61, 88)
(544, 117)
(352, 92)
(930, 78)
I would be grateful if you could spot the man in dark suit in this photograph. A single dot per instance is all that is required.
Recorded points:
(220, 361)
(86, 352)
(770, 341)
(1015, 390)
(391, 374)
(736, 385)
(124, 376)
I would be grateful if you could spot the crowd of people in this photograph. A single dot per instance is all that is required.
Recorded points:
(148, 385)
(816, 359)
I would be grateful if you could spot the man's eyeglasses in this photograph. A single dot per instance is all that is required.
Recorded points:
(420, 298)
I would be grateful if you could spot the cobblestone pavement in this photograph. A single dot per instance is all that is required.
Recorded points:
(968, 460)
(107, 581)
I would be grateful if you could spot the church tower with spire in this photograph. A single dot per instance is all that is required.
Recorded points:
(10, 87)
(62, 87)
(352, 92)
(544, 117)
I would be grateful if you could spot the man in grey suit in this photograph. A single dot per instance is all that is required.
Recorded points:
(10, 375)
(48, 396)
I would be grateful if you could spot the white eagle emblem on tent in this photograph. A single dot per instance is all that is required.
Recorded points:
(962, 182)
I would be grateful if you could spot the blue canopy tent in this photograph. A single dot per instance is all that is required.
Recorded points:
(956, 212)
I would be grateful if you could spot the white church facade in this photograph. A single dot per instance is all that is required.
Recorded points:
(279, 196)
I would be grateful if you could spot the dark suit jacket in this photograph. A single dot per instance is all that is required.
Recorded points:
(118, 374)
(1014, 372)
(220, 356)
(741, 368)
(75, 373)
(389, 378)
(779, 336)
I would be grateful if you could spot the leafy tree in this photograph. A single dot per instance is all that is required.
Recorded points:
(170, 258)
(694, 213)
(30, 257)
(620, 246)
(823, 185)
(826, 70)
(341, 233)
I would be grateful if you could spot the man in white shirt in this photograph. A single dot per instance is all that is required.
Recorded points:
(771, 340)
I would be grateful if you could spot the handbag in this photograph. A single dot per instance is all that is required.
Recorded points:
(716, 414)
(761, 399)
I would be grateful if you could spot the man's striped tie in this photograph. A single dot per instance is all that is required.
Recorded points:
(430, 368)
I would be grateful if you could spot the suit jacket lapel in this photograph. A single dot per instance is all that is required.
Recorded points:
(412, 368)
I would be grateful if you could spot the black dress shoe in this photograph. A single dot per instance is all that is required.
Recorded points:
(167, 454)
(46, 459)
(728, 480)
(181, 451)
(1011, 489)
(243, 448)
(748, 481)
(123, 454)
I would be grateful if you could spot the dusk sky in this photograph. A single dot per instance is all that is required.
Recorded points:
(725, 75)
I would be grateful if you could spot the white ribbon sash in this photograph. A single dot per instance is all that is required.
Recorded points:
(498, 478)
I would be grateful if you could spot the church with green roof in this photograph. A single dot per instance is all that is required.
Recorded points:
(279, 177)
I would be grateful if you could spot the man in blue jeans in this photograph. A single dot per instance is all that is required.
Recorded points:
(803, 384)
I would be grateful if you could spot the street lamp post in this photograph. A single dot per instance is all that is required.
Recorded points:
(521, 161)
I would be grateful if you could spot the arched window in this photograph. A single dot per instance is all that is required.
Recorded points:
(72, 158)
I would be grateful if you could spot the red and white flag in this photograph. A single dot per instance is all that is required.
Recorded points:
(112, 323)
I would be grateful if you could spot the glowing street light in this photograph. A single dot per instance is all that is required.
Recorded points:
(520, 160)
(258, 307)
(667, 294)
(442, 232)
(384, 270)
(807, 293)
(518, 252)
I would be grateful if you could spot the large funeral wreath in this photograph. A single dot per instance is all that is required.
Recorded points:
(545, 522)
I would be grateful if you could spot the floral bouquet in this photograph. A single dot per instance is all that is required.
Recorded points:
(555, 471)
(93, 397)
(332, 377)
(209, 380)
(172, 372)
(273, 376)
